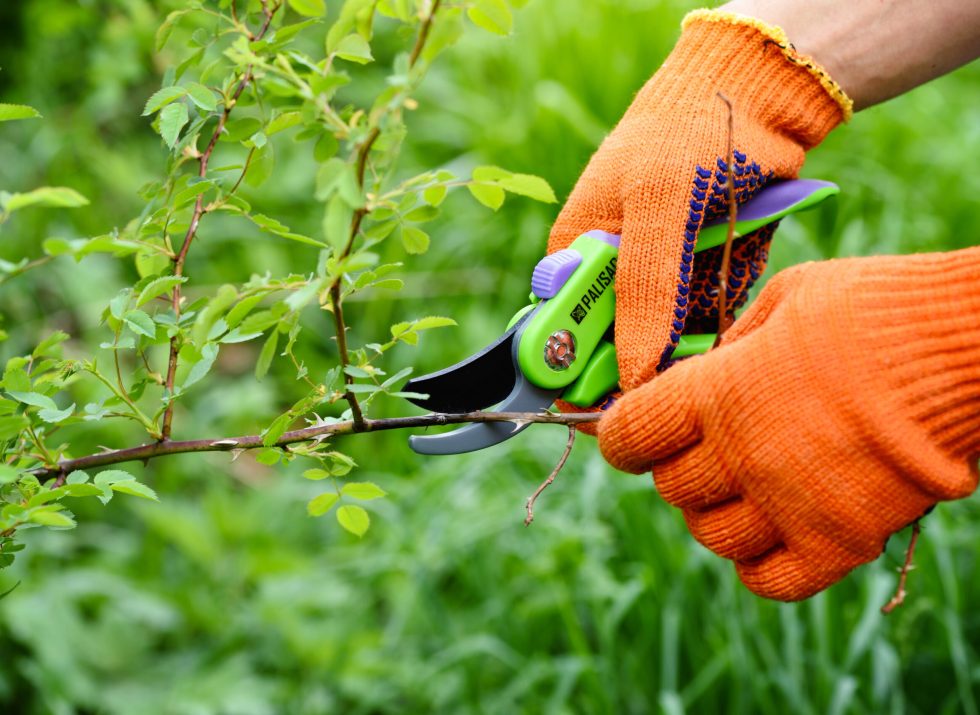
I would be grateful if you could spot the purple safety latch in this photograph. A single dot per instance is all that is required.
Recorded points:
(552, 272)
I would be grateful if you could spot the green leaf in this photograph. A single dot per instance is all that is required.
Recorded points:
(10, 112)
(172, 120)
(415, 240)
(77, 477)
(432, 321)
(363, 490)
(165, 30)
(55, 416)
(267, 354)
(434, 194)
(52, 518)
(35, 399)
(202, 96)
(201, 368)
(320, 505)
(283, 121)
(492, 15)
(11, 426)
(489, 195)
(56, 196)
(105, 479)
(354, 519)
(158, 286)
(268, 457)
(8, 474)
(309, 8)
(140, 323)
(44, 348)
(528, 185)
(355, 48)
(134, 488)
(314, 474)
(163, 97)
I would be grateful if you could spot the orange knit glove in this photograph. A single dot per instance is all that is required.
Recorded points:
(838, 409)
(661, 173)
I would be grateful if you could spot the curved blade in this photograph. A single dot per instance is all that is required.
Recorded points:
(525, 397)
(481, 380)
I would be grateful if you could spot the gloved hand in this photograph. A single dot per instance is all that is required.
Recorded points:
(661, 173)
(839, 408)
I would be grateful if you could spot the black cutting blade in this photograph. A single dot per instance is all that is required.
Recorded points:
(479, 381)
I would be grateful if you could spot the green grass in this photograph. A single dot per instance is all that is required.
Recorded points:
(605, 604)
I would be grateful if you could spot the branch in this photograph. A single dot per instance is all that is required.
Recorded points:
(152, 450)
(199, 211)
(726, 258)
(551, 477)
(899, 598)
(355, 226)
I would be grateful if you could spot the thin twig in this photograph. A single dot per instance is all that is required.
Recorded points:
(199, 211)
(357, 218)
(152, 450)
(551, 477)
(726, 258)
(899, 598)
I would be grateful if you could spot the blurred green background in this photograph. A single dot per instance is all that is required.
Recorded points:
(226, 598)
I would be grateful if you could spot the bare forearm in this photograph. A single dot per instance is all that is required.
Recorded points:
(876, 49)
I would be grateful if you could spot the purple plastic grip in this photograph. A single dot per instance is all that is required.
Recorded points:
(552, 271)
(611, 238)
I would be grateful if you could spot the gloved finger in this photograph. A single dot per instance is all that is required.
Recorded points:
(653, 276)
(773, 295)
(786, 575)
(695, 478)
(734, 529)
(593, 204)
(653, 422)
(589, 428)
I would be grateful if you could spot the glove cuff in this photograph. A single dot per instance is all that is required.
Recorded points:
(757, 63)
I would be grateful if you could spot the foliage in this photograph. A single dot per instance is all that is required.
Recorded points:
(223, 597)
(244, 83)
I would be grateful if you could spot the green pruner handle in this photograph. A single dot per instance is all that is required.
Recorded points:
(562, 345)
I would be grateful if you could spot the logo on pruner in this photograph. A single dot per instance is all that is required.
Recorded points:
(591, 296)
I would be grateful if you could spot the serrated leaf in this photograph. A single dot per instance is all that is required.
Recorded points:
(268, 457)
(355, 48)
(364, 491)
(172, 120)
(415, 240)
(489, 195)
(202, 96)
(355, 519)
(55, 416)
(316, 474)
(82, 490)
(201, 368)
(309, 8)
(267, 355)
(434, 195)
(52, 518)
(529, 185)
(163, 97)
(77, 477)
(55, 196)
(320, 505)
(283, 121)
(158, 286)
(432, 321)
(492, 15)
(45, 346)
(135, 489)
(8, 474)
(10, 112)
(35, 399)
(140, 323)
(167, 28)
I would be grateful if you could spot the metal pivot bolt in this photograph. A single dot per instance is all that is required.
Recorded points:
(559, 350)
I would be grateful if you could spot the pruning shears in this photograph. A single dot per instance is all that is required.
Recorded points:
(560, 345)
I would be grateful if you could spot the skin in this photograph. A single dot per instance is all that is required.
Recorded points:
(876, 49)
